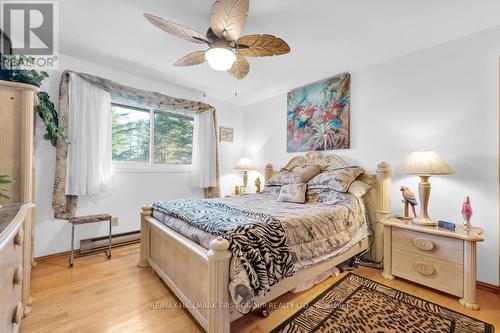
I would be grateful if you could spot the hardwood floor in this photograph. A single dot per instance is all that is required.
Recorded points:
(98, 295)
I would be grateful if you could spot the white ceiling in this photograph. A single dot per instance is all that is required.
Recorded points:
(326, 37)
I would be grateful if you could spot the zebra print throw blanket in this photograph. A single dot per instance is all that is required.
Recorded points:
(257, 240)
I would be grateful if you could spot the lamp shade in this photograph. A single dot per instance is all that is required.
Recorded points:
(425, 162)
(220, 58)
(244, 164)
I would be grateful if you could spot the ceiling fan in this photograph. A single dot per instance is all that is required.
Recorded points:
(226, 49)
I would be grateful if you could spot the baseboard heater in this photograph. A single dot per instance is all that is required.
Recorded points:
(100, 243)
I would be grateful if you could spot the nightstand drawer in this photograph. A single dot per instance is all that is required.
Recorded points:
(439, 247)
(431, 272)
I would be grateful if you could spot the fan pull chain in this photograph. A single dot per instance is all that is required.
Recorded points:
(236, 87)
(204, 79)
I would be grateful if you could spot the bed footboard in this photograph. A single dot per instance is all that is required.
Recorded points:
(218, 276)
(199, 278)
(146, 211)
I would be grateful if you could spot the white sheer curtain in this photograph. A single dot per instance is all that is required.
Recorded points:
(204, 150)
(89, 152)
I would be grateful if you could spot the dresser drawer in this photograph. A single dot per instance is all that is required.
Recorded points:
(11, 275)
(439, 247)
(433, 273)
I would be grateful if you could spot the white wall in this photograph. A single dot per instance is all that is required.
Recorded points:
(130, 190)
(445, 98)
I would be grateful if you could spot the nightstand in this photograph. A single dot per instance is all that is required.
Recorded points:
(439, 259)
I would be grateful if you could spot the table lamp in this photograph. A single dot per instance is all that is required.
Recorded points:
(245, 165)
(425, 163)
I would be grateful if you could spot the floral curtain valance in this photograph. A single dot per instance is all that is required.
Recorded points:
(65, 205)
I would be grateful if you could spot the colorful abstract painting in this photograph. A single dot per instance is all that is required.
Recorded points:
(318, 115)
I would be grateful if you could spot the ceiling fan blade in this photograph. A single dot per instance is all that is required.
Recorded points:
(261, 46)
(176, 29)
(194, 58)
(228, 18)
(240, 67)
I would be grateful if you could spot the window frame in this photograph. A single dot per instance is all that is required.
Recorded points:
(151, 166)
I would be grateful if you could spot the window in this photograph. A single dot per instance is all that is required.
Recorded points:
(173, 138)
(146, 137)
(131, 133)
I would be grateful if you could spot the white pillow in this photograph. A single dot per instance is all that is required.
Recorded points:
(359, 188)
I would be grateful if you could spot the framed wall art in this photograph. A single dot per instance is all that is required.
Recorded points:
(226, 134)
(318, 115)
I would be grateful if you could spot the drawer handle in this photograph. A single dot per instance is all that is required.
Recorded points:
(423, 244)
(17, 315)
(423, 268)
(18, 275)
(18, 238)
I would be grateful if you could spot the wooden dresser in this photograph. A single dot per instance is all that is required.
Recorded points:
(439, 259)
(12, 266)
(17, 101)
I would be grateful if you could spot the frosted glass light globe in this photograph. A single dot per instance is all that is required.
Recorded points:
(220, 59)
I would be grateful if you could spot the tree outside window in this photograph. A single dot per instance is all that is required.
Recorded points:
(151, 136)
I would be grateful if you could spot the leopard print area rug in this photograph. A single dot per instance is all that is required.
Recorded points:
(356, 304)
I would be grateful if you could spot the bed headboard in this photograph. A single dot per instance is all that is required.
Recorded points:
(377, 200)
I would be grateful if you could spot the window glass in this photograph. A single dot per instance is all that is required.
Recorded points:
(131, 133)
(173, 138)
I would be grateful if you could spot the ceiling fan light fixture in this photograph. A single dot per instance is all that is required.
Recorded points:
(220, 58)
(227, 49)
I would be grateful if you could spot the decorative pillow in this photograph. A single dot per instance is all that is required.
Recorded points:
(310, 172)
(326, 196)
(297, 168)
(271, 189)
(338, 179)
(359, 188)
(313, 194)
(293, 193)
(285, 178)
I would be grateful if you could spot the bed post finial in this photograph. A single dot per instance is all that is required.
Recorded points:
(384, 172)
(268, 172)
(146, 211)
(218, 277)
(383, 210)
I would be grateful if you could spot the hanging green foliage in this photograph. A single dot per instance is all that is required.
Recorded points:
(47, 112)
(45, 108)
(4, 179)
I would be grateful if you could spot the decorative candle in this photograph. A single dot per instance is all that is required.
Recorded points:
(466, 212)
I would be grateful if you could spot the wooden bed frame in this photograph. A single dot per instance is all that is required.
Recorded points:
(200, 277)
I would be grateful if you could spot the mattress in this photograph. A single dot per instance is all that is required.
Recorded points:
(315, 231)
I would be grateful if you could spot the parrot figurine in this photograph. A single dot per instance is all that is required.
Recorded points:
(257, 185)
(409, 199)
